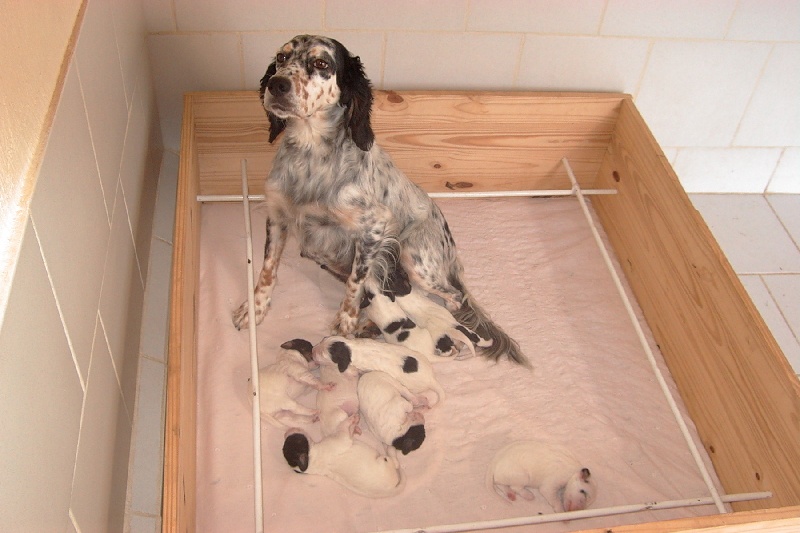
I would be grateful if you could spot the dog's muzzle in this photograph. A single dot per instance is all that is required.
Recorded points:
(279, 86)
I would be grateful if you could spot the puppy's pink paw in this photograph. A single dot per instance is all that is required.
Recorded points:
(511, 495)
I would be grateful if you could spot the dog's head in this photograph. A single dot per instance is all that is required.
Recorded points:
(410, 440)
(310, 75)
(296, 448)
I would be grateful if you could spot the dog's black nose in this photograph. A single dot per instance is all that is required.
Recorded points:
(279, 86)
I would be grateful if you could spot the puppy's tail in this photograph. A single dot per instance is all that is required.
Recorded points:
(473, 317)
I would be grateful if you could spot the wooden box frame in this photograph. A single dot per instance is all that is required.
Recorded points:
(739, 388)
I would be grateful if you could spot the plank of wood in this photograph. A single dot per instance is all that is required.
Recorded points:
(737, 385)
(786, 519)
(178, 513)
(442, 141)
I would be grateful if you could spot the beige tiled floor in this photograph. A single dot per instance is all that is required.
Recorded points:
(759, 234)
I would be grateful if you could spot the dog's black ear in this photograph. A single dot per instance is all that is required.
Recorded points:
(299, 345)
(412, 439)
(340, 354)
(276, 125)
(295, 451)
(356, 96)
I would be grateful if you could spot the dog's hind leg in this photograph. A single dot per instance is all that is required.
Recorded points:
(273, 248)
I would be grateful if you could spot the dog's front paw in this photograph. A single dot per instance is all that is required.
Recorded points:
(345, 324)
(241, 317)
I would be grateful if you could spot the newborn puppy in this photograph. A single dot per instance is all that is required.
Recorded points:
(445, 331)
(337, 405)
(280, 383)
(523, 466)
(410, 368)
(380, 307)
(349, 462)
(391, 411)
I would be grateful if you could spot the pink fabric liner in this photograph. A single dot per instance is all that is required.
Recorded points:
(533, 265)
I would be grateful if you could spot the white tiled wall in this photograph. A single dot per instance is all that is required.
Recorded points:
(69, 344)
(721, 75)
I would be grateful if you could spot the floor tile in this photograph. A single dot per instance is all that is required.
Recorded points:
(787, 207)
(775, 320)
(749, 232)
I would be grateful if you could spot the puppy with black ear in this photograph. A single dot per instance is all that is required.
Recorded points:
(447, 335)
(380, 307)
(282, 382)
(391, 411)
(522, 466)
(353, 464)
(409, 368)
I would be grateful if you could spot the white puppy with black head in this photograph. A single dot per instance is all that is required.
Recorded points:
(522, 466)
(352, 464)
(410, 368)
(285, 380)
(391, 411)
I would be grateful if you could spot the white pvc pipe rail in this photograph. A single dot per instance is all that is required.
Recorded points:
(575, 515)
(251, 309)
(461, 194)
(643, 341)
(576, 191)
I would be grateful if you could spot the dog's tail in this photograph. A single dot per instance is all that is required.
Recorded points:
(473, 317)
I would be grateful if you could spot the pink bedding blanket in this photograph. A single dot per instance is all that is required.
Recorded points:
(533, 265)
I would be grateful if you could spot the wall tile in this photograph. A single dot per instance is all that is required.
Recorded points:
(786, 178)
(259, 51)
(121, 300)
(766, 20)
(42, 398)
(137, 177)
(129, 27)
(184, 63)
(158, 15)
(103, 93)
(773, 116)
(537, 16)
(450, 61)
(582, 63)
(726, 169)
(668, 18)
(70, 214)
(91, 487)
(442, 15)
(695, 93)
(248, 15)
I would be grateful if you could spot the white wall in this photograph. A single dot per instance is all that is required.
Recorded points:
(69, 344)
(717, 80)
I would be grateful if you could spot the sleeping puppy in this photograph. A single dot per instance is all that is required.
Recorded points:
(340, 403)
(448, 336)
(396, 327)
(285, 380)
(522, 466)
(349, 462)
(391, 411)
(410, 368)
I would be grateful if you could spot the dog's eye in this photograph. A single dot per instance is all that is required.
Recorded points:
(281, 58)
(320, 64)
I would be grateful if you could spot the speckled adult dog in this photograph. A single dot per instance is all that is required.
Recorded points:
(351, 210)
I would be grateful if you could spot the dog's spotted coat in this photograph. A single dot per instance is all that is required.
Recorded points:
(352, 211)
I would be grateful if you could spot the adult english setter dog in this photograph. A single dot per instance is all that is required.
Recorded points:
(352, 211)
